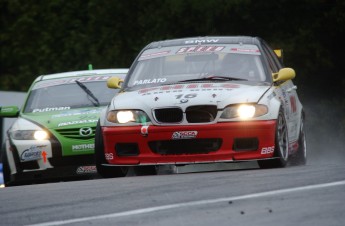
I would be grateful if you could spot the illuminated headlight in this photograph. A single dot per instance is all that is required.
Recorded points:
(126, 116)
(244, 111)
(29, 135)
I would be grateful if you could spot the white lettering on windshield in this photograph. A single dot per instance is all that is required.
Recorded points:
(149, 81)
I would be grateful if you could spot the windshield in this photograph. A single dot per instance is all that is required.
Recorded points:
(175, 64)
(64, 94)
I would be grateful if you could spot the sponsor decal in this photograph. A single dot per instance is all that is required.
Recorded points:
(144, 130)
(109, 156)
(33, 153)
(82, 147)
(245, 50)
(267, 150)
(197, 87)
(184, 135)
(51, 109)
(198, 49)
(77, 122)
(6, 109)
(85, 132)
(86, 169)
(293, 104)
(149, 81)
(201, 41)
(82, 114)
(153, 54)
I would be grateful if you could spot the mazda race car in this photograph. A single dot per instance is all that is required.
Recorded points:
(202, 100)
(53, 136)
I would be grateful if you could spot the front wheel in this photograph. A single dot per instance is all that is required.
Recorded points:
(105, 171)
(281, 145)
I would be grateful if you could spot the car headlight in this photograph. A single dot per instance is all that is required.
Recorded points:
(29, 135)
(126, 116)
(244, 111)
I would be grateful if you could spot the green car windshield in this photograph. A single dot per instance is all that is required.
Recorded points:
(65, 95)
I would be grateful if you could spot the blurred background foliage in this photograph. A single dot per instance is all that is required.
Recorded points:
(42, 37)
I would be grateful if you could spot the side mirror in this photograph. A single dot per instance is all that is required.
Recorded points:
(114, 83)
(9, 111)
(284, 74)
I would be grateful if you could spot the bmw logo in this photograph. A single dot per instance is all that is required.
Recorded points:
(183, 101)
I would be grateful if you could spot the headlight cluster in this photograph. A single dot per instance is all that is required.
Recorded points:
(29, 135)
(125, 116)
(244, 111)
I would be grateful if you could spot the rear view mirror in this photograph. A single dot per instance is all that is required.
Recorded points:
(9, 111)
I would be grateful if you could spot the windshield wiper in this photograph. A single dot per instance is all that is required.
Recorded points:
(88, 92)
(210, 78)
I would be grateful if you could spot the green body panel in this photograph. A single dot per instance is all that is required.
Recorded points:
(65, 125)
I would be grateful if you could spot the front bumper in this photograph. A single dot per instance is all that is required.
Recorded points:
(221, 142)
(54, 174)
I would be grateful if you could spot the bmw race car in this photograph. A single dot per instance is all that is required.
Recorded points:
(53, 136)
(202, 100)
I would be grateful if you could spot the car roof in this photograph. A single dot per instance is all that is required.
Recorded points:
(205, 40)
(81, 73)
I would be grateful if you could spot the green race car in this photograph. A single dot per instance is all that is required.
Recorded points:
(53, 136)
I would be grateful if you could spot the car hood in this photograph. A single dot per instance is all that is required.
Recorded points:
(183, 95)
(65, 118)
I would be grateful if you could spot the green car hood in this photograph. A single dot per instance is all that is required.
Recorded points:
(65, 125)
(74, 118)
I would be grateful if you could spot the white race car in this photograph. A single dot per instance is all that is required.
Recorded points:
(202, 100)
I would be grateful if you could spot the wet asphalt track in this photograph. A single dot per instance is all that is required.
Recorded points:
(310, 195)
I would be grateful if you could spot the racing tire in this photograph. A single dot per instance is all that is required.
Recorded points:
(300, 157)
(105, 171)
(281, 152)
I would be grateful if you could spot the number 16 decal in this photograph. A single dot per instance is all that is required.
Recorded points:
(191, 95)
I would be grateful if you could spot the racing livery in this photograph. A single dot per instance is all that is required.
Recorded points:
(202, 100)
(53, 136)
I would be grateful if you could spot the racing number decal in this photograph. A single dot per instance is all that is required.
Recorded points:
(191, 95)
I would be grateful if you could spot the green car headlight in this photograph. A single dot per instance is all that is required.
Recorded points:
(126, 116)
(244, 111)
(29, 135)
